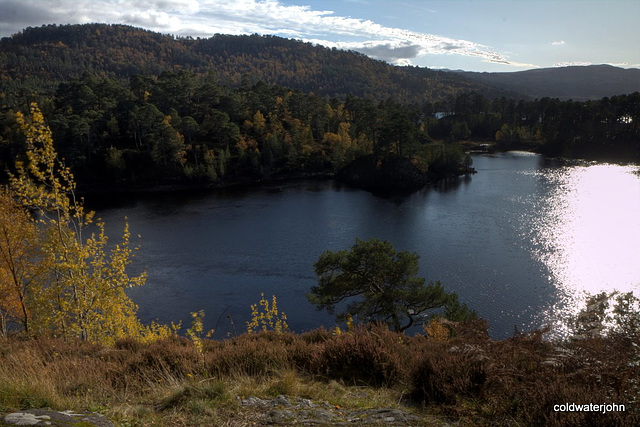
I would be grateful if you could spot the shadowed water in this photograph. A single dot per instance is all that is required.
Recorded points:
(520, 241)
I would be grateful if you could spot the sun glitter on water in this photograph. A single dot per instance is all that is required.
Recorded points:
(587, 234)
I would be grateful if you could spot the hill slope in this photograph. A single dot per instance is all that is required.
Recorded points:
(46, 55)
(576, 83)
(39, 58)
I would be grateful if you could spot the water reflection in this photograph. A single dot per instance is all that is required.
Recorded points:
(519, 241)
(587, 233)
(449, 184)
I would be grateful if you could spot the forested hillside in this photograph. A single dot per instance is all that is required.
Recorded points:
(44, 56)
(132, 108)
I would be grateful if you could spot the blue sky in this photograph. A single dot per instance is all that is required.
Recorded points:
(474, 35)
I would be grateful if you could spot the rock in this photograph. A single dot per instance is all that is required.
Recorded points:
(383, 415)
(293, 410)
(280, 416)
(253, 401)
(49, 417)
(281, 400)
(27, 419)
(306, 403)
(321, 415)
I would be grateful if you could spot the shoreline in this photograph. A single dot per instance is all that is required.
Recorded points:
(167, 188)
(473, 147)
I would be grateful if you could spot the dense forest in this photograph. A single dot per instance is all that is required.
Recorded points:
(40, 58)
(182, 127)
(608, 128)
(133, 108)
(179, 127)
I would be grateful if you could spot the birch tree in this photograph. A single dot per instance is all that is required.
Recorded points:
(21, 269)
(84, 295)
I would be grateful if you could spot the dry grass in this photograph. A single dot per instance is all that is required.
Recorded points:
(470, 379)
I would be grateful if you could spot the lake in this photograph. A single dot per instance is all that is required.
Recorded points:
(520, 242)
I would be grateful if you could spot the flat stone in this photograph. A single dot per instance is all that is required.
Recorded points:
(26, 419)
(253, 401)
(386, 415)
(49, 417)
(292, 410)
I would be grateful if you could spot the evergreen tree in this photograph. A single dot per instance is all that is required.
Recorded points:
(379, 284)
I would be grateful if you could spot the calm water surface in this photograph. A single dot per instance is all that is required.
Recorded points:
(520, 242)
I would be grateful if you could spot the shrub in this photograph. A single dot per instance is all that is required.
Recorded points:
(441, 376)
(316, 336)
(160, 361)
(247, 355)
(367, 356)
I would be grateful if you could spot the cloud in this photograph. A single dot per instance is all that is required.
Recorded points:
(402, 62)
(572, 64)
(558, 43)
(387, 51)
(203, 18)
(15, 15)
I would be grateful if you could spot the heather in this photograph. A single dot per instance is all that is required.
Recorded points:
(453, 373)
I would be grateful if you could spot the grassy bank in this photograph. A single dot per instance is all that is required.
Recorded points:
(468, 380)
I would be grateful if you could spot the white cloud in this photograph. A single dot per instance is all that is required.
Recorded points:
(402, 62)
(152, 19)
(558, 43)
(204, 18)
(572, 64)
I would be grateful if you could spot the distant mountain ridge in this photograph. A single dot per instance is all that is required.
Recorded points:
(579, 83)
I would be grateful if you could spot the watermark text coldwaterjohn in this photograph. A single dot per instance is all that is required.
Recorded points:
(590, 407)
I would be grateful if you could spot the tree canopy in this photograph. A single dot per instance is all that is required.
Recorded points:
(129, 107)
(377, 283)
(44, 56)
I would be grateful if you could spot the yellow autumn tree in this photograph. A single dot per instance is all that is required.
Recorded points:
(21, 269)
(84, 296)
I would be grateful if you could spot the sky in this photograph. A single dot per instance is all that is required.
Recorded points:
(471, 35)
